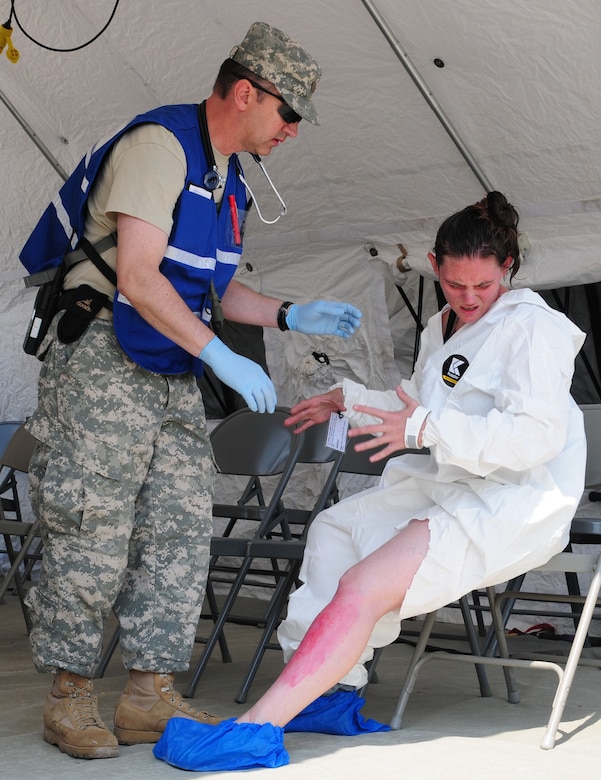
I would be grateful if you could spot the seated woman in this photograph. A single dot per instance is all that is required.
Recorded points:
(490, 399)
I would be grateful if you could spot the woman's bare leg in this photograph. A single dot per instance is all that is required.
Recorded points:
(340, 632)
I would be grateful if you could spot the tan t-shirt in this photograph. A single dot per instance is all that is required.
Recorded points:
(143, 177)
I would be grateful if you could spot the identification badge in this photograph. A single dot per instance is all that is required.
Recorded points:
(337, 430)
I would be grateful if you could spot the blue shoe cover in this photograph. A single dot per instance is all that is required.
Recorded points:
(188, 744)
(338, 714)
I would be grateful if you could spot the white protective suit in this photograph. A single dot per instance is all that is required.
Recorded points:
(500, 485)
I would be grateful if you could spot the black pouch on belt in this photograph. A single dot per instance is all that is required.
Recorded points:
(81, 306)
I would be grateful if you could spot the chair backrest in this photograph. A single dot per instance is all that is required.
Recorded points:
(314, 447)
(7, 429)
(19, 449)
(249, 443)
(592, 429)
(258, 445)
(315, 450)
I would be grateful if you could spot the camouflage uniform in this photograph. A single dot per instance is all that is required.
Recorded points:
(122, 479)
(122, 483)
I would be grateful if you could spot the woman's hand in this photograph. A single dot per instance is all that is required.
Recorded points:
(316, 410)
(389, 434)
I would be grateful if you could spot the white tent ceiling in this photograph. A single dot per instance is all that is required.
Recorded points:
(520, 86)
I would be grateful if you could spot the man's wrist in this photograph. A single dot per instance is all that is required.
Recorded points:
(211, 349)
(281, 315)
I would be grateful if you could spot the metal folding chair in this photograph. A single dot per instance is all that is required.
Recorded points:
(567, 562)
(15, 458)
(280, 521)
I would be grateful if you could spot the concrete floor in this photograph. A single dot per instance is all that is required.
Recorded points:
(449, 731)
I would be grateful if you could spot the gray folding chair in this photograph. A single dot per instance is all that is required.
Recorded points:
(280, 521)
(569, 561)
(8, 476)
(15, 458)
(262, 449)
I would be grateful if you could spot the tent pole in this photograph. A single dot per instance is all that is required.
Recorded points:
(427, 93)
(34, 137)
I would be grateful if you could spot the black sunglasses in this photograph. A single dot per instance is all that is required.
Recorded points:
(288, 114)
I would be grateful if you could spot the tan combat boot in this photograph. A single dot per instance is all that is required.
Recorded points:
(147, 703)
(72, 722)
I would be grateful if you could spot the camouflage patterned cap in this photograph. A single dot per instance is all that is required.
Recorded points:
(274, 56)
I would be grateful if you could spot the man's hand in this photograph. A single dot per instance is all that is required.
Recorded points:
(241, 374)
(324, 318)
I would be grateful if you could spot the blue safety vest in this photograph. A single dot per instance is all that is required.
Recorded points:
(205, 243)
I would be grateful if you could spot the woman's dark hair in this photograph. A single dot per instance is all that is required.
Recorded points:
(489, 227)
(230, 72)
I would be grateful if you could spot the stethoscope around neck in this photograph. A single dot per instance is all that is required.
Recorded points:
(212, 179)
(283, 210)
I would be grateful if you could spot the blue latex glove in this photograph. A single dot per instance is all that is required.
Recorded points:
(188, 744)
(324, 318)
(241, 374)
(337, 713)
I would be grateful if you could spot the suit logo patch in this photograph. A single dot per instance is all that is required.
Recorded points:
(453, 369)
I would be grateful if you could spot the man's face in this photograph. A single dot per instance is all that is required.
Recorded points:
(267, 129)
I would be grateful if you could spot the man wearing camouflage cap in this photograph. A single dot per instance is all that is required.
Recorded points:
(122, 477)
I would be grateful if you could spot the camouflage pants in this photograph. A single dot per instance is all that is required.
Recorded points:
(122, 484)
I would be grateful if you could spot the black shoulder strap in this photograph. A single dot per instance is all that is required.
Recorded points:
(100, 264)
(452, 319)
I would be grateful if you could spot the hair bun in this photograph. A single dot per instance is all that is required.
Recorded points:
(500, 211)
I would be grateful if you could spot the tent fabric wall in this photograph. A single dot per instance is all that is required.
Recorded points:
(520, 85)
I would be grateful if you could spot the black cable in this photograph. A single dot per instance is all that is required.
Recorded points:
(13, 13)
